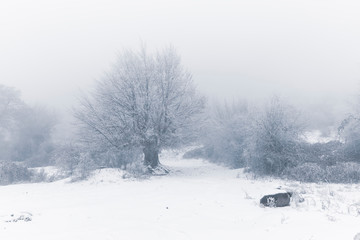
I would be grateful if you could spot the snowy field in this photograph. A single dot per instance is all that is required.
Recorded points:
(198, 200)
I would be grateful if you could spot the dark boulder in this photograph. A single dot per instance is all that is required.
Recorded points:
(276, 200)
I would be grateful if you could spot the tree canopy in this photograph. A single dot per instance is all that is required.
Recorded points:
(146, 101)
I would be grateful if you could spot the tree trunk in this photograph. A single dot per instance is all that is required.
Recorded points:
(151, 156)
(151, 153)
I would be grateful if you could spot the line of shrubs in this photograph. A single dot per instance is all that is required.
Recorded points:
(271, 142)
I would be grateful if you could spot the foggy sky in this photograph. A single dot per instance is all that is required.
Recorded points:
(304, 49)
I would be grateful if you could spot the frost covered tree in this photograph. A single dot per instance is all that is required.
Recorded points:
(25, 132)
(146, 101)
(32, 141)
(10, 107)
(276, 139)
(349, 131)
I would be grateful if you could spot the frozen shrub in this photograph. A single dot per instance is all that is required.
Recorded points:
(324, 154)
(66, 157)
(39, 176)
(84, 165)
(137, 170)
(275, 144)
(307, 172)
(344, 172)
(115, 158)
(74, 161)
(78, 160)
(349, 130)
(13, 173)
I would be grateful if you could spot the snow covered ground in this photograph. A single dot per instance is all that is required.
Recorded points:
(198, 200)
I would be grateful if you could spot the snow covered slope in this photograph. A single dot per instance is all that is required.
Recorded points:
(198, 200)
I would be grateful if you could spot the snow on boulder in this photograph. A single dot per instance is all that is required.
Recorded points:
(276, 200)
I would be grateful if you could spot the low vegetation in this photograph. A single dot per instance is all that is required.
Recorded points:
(271, 142)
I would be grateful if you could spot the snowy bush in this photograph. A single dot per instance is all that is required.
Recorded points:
(324, 154)
(66, 157)
(39, 175)
(73, 161)
(271, 142)
(267, 142)
(275, 143)
(136, 169)
(342, 172)
(307, 172)
(349, 130)
(13, 173)
(78, 160)
(116, 158)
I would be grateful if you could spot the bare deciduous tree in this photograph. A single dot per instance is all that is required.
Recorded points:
(147, 101)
